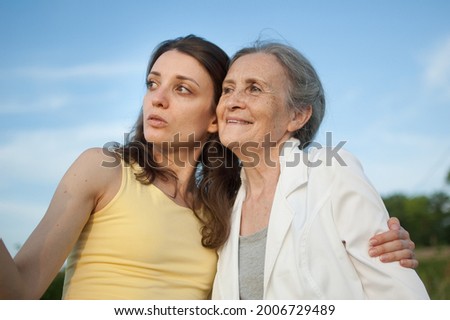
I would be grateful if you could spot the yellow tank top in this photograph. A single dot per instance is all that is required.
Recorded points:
(142, 245)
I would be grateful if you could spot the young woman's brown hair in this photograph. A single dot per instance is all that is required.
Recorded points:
(215, 181)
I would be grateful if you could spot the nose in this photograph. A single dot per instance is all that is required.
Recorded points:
(235, 100)
(159, 98)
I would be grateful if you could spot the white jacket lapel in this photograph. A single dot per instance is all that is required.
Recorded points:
(293, 175)
(226, 284)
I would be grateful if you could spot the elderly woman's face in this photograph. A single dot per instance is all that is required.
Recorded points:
(252, 107)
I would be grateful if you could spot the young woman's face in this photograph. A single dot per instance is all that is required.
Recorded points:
(177, 106)
(253, 102)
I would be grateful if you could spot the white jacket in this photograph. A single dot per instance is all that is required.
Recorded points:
(318, 235)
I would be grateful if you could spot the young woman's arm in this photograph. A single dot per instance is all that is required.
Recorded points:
(10, 283)
(29, 274)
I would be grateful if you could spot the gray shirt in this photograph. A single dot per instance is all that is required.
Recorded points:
(252, 251)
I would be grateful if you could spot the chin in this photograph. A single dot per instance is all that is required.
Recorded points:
(226, 141)
(155, 140)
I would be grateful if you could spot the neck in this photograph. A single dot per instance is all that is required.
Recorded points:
(260, 185)
(261, 178)
(182, 162)
(262, 167)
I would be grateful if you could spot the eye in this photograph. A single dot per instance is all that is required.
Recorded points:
(151, 84)
(183, 89)
(254, 89)
(226, 90)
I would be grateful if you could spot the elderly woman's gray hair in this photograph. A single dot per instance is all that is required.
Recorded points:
(305, 89)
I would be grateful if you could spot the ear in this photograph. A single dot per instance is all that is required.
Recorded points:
(213, 127)
(299, 119)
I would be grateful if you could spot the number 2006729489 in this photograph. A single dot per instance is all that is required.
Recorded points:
(294, 309)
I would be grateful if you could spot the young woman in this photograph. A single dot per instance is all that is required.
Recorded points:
(136, 230)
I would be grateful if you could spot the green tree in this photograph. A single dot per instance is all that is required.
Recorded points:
(440, 211)
(54, 291)
(427, 218)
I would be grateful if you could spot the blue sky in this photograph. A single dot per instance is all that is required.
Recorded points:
(72, 77)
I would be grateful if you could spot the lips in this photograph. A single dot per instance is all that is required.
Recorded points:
(156, 121)
(237, 121)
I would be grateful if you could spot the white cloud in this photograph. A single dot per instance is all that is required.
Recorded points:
(400, 158)
(18, 220)
(47, 91)
(437, 69)
(47, 103)
(402, 139)
(69, 72)
(44, 155)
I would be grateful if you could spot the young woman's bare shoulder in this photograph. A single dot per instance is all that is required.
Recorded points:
(100, 157)
(98, 165)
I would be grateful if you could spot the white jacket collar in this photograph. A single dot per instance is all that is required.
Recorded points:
(293, 166)
(290, 158)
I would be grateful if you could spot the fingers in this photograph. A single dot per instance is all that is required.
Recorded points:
(409, 263)
(405, 256)
(398, 255)
(395, 247)
(394, 223)
(391, 235)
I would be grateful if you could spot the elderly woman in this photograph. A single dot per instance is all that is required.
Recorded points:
(303, 218)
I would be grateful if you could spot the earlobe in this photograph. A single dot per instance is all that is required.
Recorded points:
(300, 118)
(213, 127)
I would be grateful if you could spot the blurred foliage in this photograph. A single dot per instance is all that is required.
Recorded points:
(427, 218)
(434, 270)
(54, 291)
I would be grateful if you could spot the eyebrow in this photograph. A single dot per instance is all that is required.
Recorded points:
(179, 77)
(228, 81)
(247, 81)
